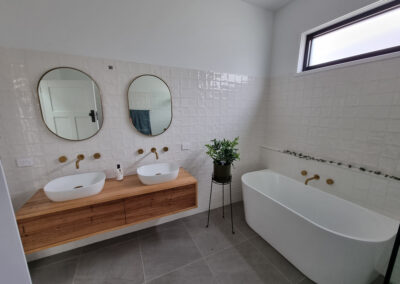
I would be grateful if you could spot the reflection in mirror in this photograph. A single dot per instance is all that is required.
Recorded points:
(70, 103)
(150, 105)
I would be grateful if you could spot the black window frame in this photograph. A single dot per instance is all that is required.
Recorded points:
(347, 22)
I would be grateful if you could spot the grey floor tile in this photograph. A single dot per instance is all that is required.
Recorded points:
(216, 237)
(378, 280)
(177, 224)
(281, 263)
(239, 220)
(71, 254)
(194, 273)
(102, 281)
(167, 250)
(243, 264)
(109, 242)
(306, 281)
(61, 272)
(118, 263)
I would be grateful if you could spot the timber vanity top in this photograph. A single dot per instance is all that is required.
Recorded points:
(43, 223)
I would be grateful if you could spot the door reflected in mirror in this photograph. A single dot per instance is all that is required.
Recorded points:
(70, 102)
(150, 105)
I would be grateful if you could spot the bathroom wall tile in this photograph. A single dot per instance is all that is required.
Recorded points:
(206, 105)
(349, 114)
(368, 190)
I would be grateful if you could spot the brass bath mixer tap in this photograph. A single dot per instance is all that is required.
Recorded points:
(79, 158)
(154, 150)
(316, 177)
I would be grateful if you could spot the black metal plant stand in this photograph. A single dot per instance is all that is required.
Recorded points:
(223, 183)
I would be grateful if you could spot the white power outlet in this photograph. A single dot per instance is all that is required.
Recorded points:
(24, 162)
(186, 146)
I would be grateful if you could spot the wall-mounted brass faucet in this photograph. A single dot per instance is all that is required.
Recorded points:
(79, 158)
(154, 150)
(316, 177)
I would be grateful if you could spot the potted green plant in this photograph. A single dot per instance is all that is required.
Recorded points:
(224, 153)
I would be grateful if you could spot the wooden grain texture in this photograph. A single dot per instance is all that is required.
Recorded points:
(39, 204)
(44, 224)
(43, 231)
(159, 203)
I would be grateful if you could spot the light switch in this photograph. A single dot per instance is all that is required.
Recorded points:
(24, 162)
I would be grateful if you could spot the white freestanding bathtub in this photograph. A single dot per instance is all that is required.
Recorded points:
(327, 238)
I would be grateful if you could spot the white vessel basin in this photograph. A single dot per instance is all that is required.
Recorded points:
(158, 173)
(75, 186)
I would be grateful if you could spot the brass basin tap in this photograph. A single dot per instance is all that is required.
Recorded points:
(154, 150)
(79, 158)
(316, 177)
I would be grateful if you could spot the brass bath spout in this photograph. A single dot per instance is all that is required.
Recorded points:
(316, 177)
(79, 158)
(154, 150)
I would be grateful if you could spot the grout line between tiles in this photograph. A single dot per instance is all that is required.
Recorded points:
(175, 269)
(141, 259)
(202, 257)
(222, 249)
(76, 267)
(272, 264)
(180, 267)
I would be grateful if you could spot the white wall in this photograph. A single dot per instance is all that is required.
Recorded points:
(298, 17)
(224, 35)
(13, 268)
(350, 114)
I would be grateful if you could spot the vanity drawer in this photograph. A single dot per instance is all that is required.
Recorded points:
(162, 203)
(57, 228)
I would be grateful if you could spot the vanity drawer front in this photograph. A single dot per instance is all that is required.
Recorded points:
(108, 214)
(54, 221)
(57, 228)
(162, 203)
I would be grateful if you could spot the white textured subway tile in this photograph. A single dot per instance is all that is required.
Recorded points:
(205, 105)
(350, 114)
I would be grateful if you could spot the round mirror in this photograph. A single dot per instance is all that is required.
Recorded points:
(70, 103)
(150, 105)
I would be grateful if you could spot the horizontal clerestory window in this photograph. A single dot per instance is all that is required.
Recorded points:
(369, 33)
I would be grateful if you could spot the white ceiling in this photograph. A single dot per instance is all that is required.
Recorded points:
(272, 5)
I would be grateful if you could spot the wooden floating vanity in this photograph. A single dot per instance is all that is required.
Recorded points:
(43, 223)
